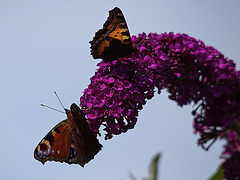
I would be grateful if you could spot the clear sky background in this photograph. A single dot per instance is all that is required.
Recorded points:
(44, 47)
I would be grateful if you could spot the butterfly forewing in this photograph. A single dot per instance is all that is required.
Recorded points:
(54, 146)
(113, 41)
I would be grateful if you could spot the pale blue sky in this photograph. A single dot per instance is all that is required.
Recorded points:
(44, 47)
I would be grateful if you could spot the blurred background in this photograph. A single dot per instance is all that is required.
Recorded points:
(44, 47)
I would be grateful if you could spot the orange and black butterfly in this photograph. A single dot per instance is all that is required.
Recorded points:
(113, 41)
(70, 141)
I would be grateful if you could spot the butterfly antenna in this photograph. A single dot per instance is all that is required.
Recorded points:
(51, 108)
(59, 99)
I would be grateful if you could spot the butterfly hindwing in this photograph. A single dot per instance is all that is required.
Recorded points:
(70, 141)
(113, 41)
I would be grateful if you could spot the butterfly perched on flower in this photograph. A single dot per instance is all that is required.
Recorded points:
(113, 40)
(70, 141)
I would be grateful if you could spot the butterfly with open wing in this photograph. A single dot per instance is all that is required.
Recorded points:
(113, 41)
(70, 141)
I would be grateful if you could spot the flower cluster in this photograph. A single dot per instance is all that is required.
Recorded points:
(190, 71)
(117, 92)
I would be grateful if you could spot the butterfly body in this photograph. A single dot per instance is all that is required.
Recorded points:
(113, 41)
(70, 141)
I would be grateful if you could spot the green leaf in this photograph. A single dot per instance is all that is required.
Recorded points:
(153, 170)
(218, 175)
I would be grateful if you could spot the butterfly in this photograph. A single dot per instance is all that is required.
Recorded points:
(70, 141)
(113, 41)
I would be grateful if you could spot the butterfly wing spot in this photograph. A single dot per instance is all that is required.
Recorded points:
(57, 130)
(43, 149)
(121, 34)
(73, 152)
